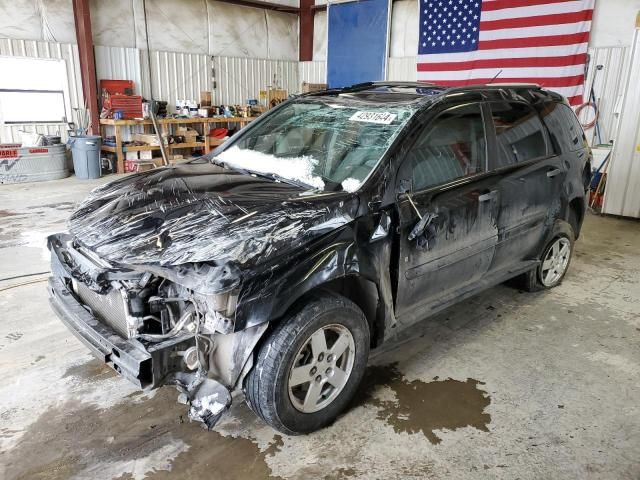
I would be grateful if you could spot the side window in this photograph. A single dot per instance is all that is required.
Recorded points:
(451, 147)
(565, 130)
(519, 133)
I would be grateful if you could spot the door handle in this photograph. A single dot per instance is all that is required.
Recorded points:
(554, 173)
(485, 197)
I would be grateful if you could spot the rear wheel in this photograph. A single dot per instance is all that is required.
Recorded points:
(554, 261)
(310, 367)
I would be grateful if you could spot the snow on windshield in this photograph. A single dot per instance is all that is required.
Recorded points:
(351, 185)
(297, 168)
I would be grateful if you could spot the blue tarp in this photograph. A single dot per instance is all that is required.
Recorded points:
(357, 48)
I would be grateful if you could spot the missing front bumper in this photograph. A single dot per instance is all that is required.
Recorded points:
(147, 368)
(126, 358)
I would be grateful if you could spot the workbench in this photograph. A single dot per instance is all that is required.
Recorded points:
(165, 125)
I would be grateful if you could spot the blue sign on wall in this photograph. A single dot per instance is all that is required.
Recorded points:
(357, 47)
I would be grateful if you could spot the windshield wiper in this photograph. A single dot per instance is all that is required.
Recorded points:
(271, 176)
(290, 181)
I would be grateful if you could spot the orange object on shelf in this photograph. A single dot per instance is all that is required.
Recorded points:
(219, 132)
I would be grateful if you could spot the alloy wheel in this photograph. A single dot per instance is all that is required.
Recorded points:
(555, 262)
(321, 368)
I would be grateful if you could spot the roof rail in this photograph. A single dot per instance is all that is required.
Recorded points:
(358, 87)
(494, 86)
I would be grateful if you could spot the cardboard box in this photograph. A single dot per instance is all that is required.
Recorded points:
(146, 155)
(148, 138)
(189, 134)
(145, 167)
(273, 96)
(131, 155)
(313, 87)
(205, 99)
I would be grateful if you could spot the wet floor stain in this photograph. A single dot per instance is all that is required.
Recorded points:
(39, 358)
(108, 443)
(94, 443)
(58, 206)
(7, 213)
(342, 474)
(426, 407)
(92, 371)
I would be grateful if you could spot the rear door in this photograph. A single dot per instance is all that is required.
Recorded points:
(530, 178)
(447, 231)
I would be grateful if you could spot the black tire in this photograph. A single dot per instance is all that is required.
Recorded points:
(266, 387)
(532, 280)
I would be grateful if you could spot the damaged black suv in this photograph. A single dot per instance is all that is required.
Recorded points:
(273, 265)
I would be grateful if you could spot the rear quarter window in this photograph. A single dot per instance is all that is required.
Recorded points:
(519, 133)
(565, 131)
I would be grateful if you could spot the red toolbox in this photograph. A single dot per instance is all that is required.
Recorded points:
(131, 105)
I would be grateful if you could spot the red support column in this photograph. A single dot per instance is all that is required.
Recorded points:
(306, 30)
(82, 18)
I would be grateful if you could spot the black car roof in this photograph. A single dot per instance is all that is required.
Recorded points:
(418, 92)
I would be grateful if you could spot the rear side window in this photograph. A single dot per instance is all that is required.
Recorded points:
(565, 130)
(518, 132)
(451, 147)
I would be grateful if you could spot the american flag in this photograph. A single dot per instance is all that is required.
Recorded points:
(464, 42)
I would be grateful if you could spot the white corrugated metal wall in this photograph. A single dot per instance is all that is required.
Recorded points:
(312, 72)
(176, 76)
(182, 76)
(45, 50)
(608, 88)
(119, 63)
(622, 194)
(402, 68)
(239, 79)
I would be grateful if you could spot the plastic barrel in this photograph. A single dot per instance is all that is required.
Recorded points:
(86, 156)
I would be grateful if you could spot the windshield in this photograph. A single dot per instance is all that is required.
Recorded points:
(328, 145)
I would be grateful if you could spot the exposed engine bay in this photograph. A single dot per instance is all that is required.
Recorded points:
(188, 337)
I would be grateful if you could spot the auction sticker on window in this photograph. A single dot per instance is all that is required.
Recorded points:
(383, 118)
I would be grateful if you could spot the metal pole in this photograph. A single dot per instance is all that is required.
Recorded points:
(152, 110)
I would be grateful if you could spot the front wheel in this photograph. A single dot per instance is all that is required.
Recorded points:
(311, 365)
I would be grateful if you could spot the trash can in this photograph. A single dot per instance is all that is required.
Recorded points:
(86, 156)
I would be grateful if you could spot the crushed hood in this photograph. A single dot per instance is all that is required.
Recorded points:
(202, 212)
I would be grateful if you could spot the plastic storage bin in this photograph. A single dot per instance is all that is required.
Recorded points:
(86, 156)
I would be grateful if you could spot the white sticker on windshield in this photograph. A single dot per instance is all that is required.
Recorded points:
(384, 118)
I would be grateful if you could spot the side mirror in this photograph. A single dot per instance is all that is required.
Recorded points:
(422, 226)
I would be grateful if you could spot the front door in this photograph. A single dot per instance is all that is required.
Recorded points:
(447, 232)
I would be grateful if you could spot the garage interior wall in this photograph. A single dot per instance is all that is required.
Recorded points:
(241, 48)
(246, 49)
(34, 49)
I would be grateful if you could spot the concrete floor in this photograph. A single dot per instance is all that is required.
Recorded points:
(505, 385)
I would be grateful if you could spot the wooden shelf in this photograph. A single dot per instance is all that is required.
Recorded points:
(165, 127)
(187, 145)
(146, 148)
(176, 121)
(140, 148)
